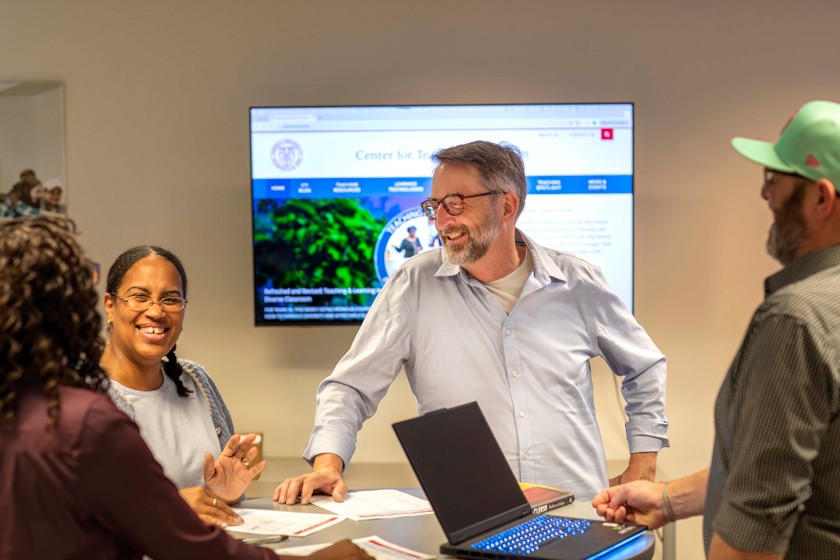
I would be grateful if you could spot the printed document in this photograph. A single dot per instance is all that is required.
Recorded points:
(375, 546)
(360, 505)
(294, 524)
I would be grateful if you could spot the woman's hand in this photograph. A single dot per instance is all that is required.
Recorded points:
(229, 475)
(209, 508)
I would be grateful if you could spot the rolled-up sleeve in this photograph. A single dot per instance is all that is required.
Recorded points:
(781, 428)
(632, 355)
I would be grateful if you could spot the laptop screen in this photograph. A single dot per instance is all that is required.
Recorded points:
(461, 467)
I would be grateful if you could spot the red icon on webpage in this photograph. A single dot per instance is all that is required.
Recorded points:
(606, 134)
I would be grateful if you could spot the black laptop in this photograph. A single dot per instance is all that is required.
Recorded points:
(477, 499)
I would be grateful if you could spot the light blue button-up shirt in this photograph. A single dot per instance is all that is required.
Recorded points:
(529, 370)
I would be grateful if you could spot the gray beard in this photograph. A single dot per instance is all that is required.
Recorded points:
(480, 240)
(783, 242)
(470, 252)
(788, 229)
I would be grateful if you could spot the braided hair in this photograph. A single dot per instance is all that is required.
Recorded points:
(117, 272)
(49, 326)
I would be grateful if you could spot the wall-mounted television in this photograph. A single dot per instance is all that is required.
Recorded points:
(336, 189)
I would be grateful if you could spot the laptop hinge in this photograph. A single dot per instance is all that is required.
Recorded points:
(489, 524)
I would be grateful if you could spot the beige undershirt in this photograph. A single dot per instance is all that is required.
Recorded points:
(508, 289)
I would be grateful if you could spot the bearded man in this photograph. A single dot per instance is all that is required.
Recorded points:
(493, 317)
(773, 488)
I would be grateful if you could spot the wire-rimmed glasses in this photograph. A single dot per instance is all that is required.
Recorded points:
(141, 302)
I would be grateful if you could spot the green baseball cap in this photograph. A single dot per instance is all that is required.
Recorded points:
(808, 146)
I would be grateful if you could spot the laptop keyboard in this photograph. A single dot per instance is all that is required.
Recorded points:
(532, 535)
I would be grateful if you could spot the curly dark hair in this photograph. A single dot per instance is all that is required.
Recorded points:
(49, 326)
(116, 274)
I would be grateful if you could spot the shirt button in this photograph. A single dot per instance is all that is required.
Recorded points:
(515, 373)
(526, 456)
(507, 332)
(522, 414)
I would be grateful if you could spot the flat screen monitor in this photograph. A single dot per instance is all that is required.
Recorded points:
(336, 189)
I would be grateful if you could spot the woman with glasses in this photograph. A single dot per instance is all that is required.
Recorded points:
(76, 479)
(175, 403)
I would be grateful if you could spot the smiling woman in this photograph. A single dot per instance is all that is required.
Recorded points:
(175, 403)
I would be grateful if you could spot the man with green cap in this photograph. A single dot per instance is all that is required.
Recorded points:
(773, 488)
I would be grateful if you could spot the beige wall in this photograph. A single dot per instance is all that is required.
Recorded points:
(31, 133)
(16, 140)
(157, 95)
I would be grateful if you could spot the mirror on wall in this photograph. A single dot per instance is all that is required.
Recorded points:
(32, 156)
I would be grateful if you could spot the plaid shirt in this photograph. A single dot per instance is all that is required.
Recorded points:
(774, 485)
(10, 210)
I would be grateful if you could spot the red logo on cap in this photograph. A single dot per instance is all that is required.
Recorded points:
(811, 161)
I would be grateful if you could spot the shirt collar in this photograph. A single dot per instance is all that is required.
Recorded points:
(802, 268)
(544, 267)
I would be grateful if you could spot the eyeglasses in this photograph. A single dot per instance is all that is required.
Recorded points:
(452, 203)
(770, 176)
(141, 302)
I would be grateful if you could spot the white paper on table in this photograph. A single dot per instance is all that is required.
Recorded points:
(375, 546)
(294, 524)
(361, 505)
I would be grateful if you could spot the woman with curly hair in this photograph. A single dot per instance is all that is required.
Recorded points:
(175, 403)
(76, 478)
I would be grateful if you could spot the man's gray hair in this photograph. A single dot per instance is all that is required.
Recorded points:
(499, 165)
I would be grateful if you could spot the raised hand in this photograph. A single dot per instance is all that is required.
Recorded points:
(229, 475)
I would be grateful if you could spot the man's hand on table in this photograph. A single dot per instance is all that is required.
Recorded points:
(325, 478)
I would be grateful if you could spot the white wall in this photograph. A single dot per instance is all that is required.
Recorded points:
(157, 95)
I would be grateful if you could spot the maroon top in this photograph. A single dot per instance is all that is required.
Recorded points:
(93, 489)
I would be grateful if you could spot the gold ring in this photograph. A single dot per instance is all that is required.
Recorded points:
(214, 502)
